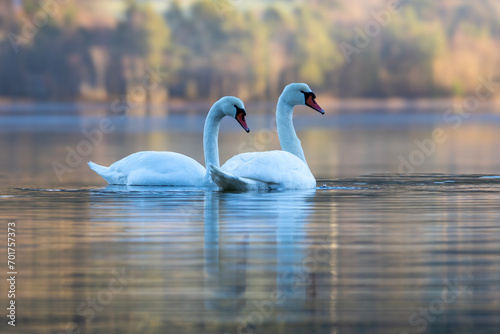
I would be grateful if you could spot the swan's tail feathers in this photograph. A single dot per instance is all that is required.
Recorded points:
(226, 181)
(112, 177)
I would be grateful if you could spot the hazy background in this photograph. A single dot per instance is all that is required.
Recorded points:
(75, 50)
(388, 73)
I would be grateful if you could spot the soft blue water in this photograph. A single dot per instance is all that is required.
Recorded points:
(365, 252)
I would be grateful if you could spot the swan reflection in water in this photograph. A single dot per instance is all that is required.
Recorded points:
(236, 260)
(224, 267)
(257, 262)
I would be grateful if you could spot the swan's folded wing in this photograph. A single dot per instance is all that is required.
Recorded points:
(159, 162)
(277, 167)
(158, 168)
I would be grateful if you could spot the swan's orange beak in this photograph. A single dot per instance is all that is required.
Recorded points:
(240, 117)
(311, 102)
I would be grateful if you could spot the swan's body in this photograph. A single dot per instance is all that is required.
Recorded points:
(150, 168)
(286, 169)
(269, 170)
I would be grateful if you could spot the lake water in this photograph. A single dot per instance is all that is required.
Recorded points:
(371, 250)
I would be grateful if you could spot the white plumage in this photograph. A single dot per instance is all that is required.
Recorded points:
(272, 170)
(264, 171)
(151, 168)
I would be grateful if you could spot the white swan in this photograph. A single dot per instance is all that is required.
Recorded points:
(286, 169)
(173, 169)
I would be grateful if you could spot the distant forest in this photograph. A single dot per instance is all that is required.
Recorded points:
(208, 49)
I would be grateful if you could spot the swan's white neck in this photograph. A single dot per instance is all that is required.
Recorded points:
(211, 138)
(286, 132)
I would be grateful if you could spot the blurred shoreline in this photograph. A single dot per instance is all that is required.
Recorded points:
(200, 50)
(177, 106)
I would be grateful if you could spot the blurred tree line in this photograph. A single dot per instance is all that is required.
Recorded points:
(213, 48)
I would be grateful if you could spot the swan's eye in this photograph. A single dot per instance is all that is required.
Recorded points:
(307, 95)
(240, 111)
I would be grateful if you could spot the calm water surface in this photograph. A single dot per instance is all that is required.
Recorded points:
(369, 251)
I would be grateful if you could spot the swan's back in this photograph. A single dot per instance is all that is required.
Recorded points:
(166, 162)
(277, 167)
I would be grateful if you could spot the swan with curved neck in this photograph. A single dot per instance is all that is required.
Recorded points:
(293, 95)
(286, 169)
(150, 168)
